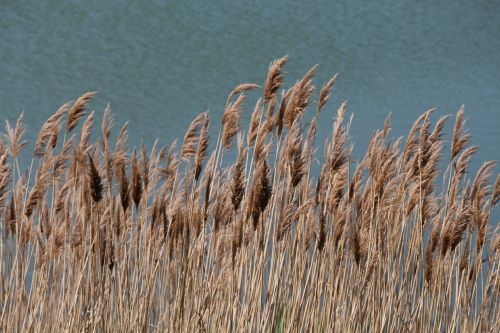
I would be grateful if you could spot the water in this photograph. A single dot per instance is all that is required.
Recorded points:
(161, 63)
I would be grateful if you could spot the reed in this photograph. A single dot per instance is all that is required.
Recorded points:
(182, 240)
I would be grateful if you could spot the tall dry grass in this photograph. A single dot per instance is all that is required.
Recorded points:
(98, 237)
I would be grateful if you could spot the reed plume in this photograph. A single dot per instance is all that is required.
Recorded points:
(94, 179)
(459, 139)
(274, 78)
(240, 89)
(191, 136)
(324, 94)
(15, 136)
(86, 131)
(253, 128)
(300, 98)
(78, 110)
(261, 191)
(295, 156)
(4, 177)
(47, 137)
(135, 180)
(231, 121)
(123, 183)
(238, 178)
(201, 152)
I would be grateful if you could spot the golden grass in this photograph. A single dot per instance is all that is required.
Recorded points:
(99, 239)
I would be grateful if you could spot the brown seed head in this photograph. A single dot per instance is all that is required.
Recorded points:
(135, 180)
(231, 121)
(191, 137)
(201, 152)
(460, 139)
(78, 110)
(324, 94)
(15, 136)
(94, 180)
(238, 178)
(274, 78)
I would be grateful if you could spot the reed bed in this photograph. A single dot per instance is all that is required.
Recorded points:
(102, 237)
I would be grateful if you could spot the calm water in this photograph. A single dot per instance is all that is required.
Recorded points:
(159, 64)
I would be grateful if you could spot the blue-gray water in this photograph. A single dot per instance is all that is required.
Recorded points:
(161, 63)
